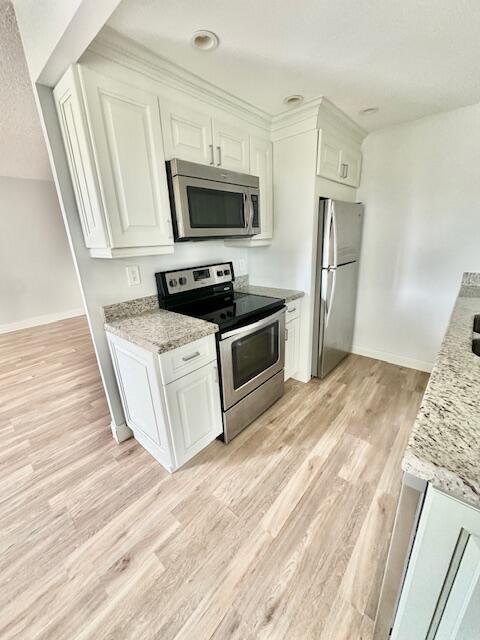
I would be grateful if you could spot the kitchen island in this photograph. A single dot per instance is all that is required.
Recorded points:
(432, 578)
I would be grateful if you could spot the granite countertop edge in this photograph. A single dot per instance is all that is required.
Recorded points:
(142, 322)
(444, 445)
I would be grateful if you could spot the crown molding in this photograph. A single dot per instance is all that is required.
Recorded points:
(332, 115)
(314, 113)
(122, 50)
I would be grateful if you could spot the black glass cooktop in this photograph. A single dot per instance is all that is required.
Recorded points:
(231, 309)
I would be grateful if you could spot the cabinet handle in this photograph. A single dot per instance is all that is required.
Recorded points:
(286, 335)
(344, 170)
(291, 310)
(212, 161)
(216, 374)
(219, 149)
(191, 356)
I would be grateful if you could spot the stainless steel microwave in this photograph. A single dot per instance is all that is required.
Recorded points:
(211, 202)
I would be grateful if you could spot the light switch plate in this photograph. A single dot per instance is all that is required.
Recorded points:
(133, 275)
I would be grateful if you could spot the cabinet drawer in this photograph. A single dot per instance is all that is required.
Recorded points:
(177, 363)
(293, 310)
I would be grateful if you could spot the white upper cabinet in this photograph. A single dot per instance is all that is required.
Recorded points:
(231, 146)
(195, 133)
(187, 133)
(338, 160)
(261, 165)
(113, 139)
(351, 165)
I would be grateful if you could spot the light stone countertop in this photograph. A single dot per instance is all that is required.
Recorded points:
(142, 322)
(272, 292)
(444, 445)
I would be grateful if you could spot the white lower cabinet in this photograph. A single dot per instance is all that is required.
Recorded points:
(292, 338)
(440, 599)
(193, 404)
(172, 421)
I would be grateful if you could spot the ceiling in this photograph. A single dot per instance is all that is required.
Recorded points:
(410, 58)
(23, 152)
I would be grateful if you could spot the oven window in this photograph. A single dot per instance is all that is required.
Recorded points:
(254, 353)
(212, 209)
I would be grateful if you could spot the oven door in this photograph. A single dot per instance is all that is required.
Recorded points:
(206, 209)
(250, 355)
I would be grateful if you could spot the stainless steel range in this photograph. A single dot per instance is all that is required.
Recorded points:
(250, 340)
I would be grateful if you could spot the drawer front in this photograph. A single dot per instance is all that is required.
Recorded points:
(293, 310)
(177, 363)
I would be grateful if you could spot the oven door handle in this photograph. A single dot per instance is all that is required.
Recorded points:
(255, 325)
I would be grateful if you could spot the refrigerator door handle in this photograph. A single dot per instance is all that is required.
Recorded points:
(334, 237)
(333, 273)
(330, 238)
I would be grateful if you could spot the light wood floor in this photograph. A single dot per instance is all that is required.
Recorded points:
(282, 534)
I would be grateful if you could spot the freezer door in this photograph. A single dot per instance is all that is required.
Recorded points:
(342, 232)
(338, 315)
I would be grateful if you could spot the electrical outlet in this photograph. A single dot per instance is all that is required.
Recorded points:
(133, 275)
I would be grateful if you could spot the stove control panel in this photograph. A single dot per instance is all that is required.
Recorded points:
(184, 280)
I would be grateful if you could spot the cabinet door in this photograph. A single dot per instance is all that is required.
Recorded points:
(329, 156)
(461, 616)
(292, 347)
(73, 125)
(442, 580)
(127, 142)
(187, 133)
(261, 165)
(231, 146)
(138, 379)
(350, 165)
(194, 409)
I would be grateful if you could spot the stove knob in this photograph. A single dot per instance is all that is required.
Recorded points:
(223, 316)
(172, 283)
(219, 274)
(226, 272)
(182, 280)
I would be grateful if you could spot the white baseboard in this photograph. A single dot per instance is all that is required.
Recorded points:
(39, 320)
(393, 358)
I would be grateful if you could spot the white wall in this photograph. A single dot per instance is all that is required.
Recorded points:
(421, 188)
(38, 282)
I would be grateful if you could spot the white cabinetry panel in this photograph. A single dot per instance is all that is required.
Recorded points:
(351, 165)
(137, 374)
(292, 338)
(461, 617)
(113, 139)
(172, 421)
(127, 138)
(194, 408)
(443, 574)
(187, 133)
(231, 146)
(338, 160)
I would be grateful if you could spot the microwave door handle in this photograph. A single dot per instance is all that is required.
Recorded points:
(245, 215)
(250, 216)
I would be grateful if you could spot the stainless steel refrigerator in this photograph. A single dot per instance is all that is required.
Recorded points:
(338, 247)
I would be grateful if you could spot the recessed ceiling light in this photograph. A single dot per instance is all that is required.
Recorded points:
(205, 40)
(293, 101)
(369, 111)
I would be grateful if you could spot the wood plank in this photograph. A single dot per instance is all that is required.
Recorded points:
(281, 534)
